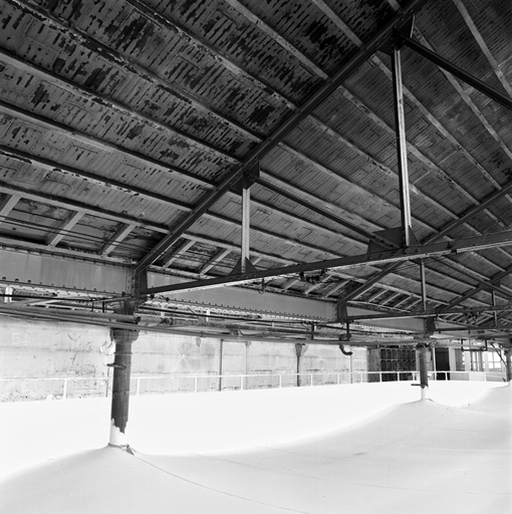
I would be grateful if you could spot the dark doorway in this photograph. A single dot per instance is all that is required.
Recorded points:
(442, 364)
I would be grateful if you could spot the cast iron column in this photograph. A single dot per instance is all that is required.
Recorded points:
(508, 360)
(422, 357)
(298, 352)
(121, 385)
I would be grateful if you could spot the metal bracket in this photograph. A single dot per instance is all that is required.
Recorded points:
(249, 267)
(115, 366)
(406, 28)
(430, 326)
(247, 179)
(396, 238)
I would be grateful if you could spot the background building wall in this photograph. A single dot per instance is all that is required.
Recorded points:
(41, 360)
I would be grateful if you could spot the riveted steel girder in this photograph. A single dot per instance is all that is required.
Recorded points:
(378, 257)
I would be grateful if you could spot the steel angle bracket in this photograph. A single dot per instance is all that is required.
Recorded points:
(247, 179)
(395, 41)
(396, 239)
(249, 267)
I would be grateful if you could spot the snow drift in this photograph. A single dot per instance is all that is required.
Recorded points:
(350, 449)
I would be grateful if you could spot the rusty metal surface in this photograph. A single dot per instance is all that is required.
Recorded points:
(131, 111)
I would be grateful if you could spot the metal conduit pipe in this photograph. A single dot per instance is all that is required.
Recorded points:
(345, 352)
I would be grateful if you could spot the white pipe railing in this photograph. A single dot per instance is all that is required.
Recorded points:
(77, 387)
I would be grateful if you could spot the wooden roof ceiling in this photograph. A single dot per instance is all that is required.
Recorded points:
(118, 118)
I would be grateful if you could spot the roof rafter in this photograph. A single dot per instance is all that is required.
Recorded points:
(64, 228)
(330, 85)
(116, 59)
(483, 46)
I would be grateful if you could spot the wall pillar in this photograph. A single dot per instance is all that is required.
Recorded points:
(121, 385)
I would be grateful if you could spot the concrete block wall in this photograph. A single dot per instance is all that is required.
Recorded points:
(41, 360)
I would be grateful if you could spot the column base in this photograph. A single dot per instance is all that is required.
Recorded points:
(117, 438)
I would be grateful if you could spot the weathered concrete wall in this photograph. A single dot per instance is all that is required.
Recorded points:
(50, 360)
(51, 351)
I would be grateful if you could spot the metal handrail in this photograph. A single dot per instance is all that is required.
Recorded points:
(239, 381)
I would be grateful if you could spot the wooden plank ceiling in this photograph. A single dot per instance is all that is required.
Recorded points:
(118, 117)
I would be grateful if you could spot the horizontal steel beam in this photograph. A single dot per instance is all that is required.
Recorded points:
(455, 70)
(30, 269)
(472, 211)
(493, 280)
(226, 335)
(429, 313)
(373, 258)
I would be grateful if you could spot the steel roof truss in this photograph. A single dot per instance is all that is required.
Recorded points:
(463, 75)
(373, 258)
(330, 85)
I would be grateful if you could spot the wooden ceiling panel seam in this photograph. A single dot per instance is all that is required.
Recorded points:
(165, 199)
(414, 151)
(109, 56)
(227, 55)
(457, 145)
(474, 109)
(474, 201)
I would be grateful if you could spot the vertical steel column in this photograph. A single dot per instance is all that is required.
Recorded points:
(246, 222)
(221, 357)
(422, 357)
(298, 351)
(495, 314)
(401, 142)
(423, 285)
(121, 385)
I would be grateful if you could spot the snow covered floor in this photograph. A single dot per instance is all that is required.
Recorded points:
(351, 449)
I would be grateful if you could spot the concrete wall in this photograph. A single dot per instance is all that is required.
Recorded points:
(50, 351)
(51, 360)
